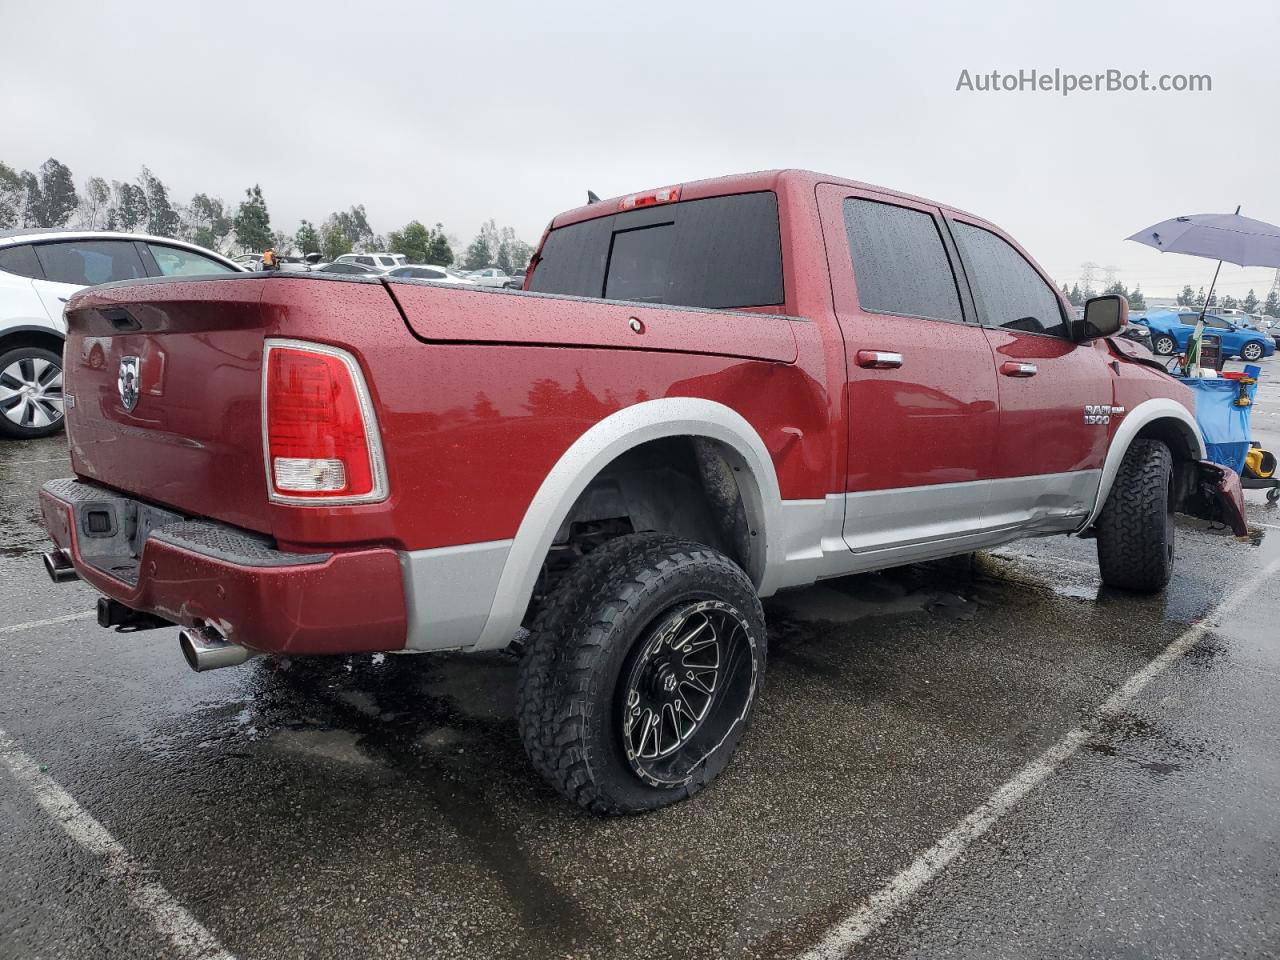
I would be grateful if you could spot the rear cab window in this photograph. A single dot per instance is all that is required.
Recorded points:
(718, 253)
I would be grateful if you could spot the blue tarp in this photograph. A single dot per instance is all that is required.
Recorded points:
(1224, 424)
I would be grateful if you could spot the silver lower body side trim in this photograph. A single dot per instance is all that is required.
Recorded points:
(449, 592)
(870, 530)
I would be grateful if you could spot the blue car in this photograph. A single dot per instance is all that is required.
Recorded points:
(1170, 332)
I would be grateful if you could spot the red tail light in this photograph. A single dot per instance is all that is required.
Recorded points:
(319, 433)
(652, 198)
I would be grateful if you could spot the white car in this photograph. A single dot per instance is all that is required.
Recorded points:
(40, 269)
(489, 277)
(425, 271)
(348, 268)
(383, 261)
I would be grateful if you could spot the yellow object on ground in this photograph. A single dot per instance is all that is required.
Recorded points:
(1259, 463)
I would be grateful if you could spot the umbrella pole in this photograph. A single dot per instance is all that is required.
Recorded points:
(1193, 345)
(1213, 283)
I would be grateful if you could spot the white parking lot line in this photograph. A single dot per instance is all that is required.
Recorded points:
(14, 628)
(841, 939)
(187, 936)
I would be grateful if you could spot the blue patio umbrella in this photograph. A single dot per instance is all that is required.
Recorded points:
(1223, 237)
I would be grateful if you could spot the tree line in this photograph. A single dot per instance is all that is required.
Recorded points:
(48, 197)
(1194, 299)
(1078, 297)
(1249, 303)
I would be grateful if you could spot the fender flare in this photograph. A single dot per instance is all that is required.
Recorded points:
(1145, 413)
(598, 447)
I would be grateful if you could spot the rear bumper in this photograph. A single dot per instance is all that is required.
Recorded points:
(198, 572)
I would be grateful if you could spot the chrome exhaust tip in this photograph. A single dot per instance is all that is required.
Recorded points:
(59, 567)
(206, 649)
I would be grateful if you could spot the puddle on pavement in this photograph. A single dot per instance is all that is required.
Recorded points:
(341, 746)
(395, 712)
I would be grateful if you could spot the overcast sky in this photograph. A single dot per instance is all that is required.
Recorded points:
(461, 112)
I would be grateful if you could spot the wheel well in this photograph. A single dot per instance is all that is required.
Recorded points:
(1174, 434)
(31, 338)
(691, 487)
(1177, 436)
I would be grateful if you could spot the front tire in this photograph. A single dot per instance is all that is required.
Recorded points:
(1164, 345)
(30, 393)
(1136, 529)
(641, 673)
(1252, 351)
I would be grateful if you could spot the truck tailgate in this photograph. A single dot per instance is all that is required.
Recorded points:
(166, 381)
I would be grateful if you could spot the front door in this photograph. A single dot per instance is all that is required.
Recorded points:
(1055, 394)
(921, 387)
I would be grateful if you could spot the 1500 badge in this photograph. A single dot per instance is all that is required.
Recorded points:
(1101, 413)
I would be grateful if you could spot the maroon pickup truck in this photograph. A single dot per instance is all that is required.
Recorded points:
(705, 394)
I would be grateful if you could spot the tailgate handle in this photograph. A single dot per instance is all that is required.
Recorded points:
(121, 319)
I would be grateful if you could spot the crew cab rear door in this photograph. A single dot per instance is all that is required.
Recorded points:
(1055, 394)
(921, 390)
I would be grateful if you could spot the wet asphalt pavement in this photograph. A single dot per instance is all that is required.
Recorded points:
(383, 807)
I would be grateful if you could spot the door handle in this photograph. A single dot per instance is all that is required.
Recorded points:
(1013, 368)
(878, 359)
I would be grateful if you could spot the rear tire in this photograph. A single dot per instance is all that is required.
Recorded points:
(1136, 529)
(623, 704)
(1164, 345)
(30, 393)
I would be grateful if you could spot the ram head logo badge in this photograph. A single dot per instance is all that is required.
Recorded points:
(127, 382)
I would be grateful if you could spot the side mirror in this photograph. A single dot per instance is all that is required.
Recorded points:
(1103, 317)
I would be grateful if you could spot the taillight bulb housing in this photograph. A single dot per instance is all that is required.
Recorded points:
(320, 436)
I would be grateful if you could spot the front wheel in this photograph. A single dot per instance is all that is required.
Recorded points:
(30, 393)
(1252, 350)
(641, 673)
(1135, 528)
(1164, 345)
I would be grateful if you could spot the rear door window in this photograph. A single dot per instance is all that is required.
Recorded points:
(1010, 293)
(20, 260)
(900, 264)
(88, 262)
(718, 252)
